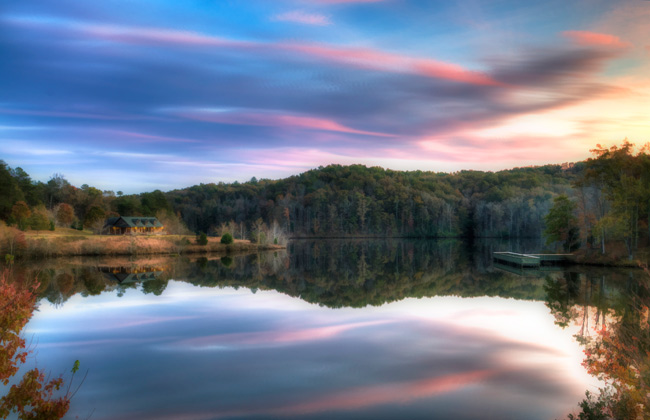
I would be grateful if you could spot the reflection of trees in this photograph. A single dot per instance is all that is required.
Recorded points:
(619, 350)
(360, 273)
(330, 273)
(33, 396)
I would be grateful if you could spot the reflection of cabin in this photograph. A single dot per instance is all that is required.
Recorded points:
(130, 275)
(132, 225)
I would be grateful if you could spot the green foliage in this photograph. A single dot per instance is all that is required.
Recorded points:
(155, 286)
(10, 191)
(202, 239)
(153, 203)
(591, 409)
(39, 220)
(94, 215)
(623, 175)
(356, 200)
(227, 238)
(52, 226)
(562, 224)
(75, 367)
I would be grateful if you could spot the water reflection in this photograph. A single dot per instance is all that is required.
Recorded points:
(612, 311)
(203, 346)
(27, 391)
(331, 273)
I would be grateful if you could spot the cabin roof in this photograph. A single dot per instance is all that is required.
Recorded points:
(133, 221)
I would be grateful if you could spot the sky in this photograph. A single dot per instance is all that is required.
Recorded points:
(142, 95)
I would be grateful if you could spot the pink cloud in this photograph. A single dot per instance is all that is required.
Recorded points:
(380, 60)
(357, 57)
(269, 119)
(505, 152)
(298, 16)
(383, 394)
(355, 398)
(587, 38)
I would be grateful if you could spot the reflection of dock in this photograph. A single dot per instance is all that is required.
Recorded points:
(131, 274)
(527, 271)
(514, 259)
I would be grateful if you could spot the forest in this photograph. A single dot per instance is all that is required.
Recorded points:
(586, 204)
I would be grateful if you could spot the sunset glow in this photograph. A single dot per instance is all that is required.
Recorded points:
(133, 98)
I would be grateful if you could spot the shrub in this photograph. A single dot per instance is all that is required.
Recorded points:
(202, 239)
(227, 239)
(38, 220)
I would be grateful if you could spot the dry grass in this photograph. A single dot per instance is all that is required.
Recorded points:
(70, 243)
(59, 232)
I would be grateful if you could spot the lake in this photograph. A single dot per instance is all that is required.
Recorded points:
(361, 329)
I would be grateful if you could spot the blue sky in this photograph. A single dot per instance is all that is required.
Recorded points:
(135, 96)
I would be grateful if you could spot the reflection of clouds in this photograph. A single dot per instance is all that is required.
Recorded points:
(353, 399)
(266, 338)
(386, 394)
(307, 361)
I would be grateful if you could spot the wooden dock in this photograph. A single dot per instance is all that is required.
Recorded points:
(530, 260)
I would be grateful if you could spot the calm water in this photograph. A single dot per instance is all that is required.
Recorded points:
(346, 330)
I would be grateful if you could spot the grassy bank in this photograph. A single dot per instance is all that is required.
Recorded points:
(615, 257)
(69, 243)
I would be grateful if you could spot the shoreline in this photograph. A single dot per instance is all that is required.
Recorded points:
(43, 245)
(72, 243)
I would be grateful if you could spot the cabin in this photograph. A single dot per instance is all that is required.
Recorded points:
(125, 225)
(122, 275)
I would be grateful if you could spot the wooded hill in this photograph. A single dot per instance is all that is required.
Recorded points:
(606, 197)
(359, 201)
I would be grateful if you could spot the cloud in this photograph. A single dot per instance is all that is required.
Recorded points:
(273, 100)
(357, 57)
(385, 61)
(148, 138)
(271, 119)
(66, 114)
(587, 38)
(299, 16)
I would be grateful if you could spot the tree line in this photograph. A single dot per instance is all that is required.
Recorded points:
(605, 198)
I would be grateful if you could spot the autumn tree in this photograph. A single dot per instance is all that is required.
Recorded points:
(625, 179)
(34, 396)
(64, 214)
